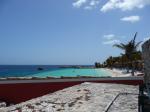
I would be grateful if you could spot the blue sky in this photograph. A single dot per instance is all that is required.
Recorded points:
(68, 31)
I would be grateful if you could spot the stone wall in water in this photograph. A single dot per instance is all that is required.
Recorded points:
(146, 57)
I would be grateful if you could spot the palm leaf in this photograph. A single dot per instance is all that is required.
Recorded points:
(138, 44)
(121, 46)
(134, 37)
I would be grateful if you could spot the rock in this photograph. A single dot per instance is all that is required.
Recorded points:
(40, 68)
(2, 104)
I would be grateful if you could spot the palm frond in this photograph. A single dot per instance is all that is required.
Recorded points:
(121, 46)
(138, 44)
(135, 37)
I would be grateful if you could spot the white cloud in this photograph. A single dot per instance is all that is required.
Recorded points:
(131, 19)
(124, 5)
(145, 39)
(94, 2)
(79, 3)
(109, 36)
(88, 8)
(110, 39)
(86, 4)
(111, 42)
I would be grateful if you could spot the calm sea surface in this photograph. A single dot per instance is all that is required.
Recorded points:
(49, 71)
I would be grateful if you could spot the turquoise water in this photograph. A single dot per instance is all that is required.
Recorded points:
(73, 72)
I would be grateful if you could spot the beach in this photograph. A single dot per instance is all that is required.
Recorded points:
(122, 72)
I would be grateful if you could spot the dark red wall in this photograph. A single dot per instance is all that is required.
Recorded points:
(19, 92)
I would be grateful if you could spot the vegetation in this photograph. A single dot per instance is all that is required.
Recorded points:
(130, 59)
(98, 65)
(130, 51)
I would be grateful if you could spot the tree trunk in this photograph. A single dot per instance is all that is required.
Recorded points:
(132, 71)
(132, 68)
(127, 69)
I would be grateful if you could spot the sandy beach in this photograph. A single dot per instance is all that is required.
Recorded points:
(121, 73)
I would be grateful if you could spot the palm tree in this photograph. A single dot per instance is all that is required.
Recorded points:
(109, 62)
(129, 49)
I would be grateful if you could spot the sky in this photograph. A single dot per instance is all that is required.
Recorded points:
(68, 32)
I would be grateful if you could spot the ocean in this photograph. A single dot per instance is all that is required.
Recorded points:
(50, 71)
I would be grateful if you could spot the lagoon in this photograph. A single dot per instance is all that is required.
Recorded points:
(74, 72)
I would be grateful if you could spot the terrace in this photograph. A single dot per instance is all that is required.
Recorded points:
(85, 97)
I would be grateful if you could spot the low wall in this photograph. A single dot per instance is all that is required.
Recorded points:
(146, 58)
(16, 91)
